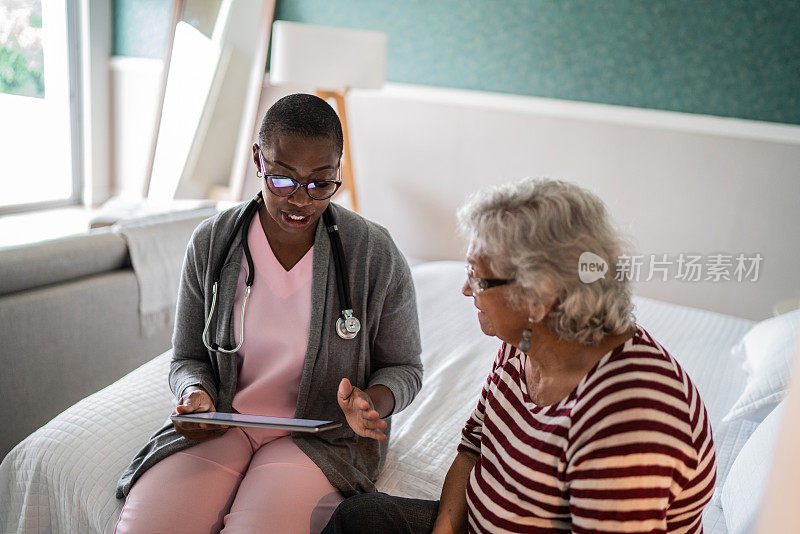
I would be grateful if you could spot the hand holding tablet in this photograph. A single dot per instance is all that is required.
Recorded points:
(195, 399)
(258, 421)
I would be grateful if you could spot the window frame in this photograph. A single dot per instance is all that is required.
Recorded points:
(73, 32)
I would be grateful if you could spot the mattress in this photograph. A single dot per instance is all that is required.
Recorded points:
(62, 478)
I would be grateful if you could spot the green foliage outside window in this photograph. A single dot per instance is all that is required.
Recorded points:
(21, 54)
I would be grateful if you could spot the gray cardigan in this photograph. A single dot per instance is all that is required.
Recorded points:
(386, 351)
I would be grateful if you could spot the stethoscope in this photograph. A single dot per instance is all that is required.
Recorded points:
(347, 326)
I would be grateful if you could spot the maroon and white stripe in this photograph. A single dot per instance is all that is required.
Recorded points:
(629, 450)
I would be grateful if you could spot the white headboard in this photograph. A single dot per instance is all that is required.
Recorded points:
(675, 183)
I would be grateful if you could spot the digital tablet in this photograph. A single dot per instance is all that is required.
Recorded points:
(258, 421)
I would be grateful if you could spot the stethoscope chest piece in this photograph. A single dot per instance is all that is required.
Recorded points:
(347, 326)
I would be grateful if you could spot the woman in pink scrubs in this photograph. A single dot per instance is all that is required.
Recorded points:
(205, 478)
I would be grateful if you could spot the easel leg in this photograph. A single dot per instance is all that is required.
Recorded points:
(348, 180)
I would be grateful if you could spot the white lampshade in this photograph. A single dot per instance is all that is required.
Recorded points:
(327, 58)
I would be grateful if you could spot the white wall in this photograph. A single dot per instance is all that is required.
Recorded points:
(675, 183)
(135, 83)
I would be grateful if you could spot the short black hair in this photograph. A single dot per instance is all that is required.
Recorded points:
(303, 115)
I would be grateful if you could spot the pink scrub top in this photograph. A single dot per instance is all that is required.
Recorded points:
(277, 322)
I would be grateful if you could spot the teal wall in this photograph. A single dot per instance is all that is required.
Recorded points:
(141, 27)
(732, 58)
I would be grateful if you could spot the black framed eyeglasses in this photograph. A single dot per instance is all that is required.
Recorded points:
(478, 285)
(286, 186)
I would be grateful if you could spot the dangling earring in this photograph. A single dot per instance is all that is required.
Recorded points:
(525, 344)
(258, 173)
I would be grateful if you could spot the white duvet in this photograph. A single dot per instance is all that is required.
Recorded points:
(62, 478)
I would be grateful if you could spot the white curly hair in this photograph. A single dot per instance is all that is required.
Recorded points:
(534, 231)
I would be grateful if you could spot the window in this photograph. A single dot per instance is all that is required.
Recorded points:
(38, 106)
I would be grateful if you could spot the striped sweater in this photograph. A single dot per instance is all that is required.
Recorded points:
(629, 450)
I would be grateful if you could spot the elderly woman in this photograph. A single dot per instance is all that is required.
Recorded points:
(585, 423)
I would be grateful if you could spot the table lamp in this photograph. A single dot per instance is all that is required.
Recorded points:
(332, 60)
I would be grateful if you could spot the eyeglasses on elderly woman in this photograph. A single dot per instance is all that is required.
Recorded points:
(477, 285)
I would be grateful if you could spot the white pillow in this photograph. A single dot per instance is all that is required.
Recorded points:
(769, 349)
(746, 484)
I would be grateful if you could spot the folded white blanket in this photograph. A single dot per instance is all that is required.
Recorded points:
(157, 250)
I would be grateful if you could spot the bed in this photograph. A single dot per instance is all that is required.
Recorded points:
(62, 477)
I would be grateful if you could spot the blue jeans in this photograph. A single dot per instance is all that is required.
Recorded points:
(382, 514)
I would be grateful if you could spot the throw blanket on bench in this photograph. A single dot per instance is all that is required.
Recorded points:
(157, 252)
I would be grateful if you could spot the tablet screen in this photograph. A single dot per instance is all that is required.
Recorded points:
(258, 421)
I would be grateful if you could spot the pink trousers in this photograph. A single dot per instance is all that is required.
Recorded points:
(232, 484)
